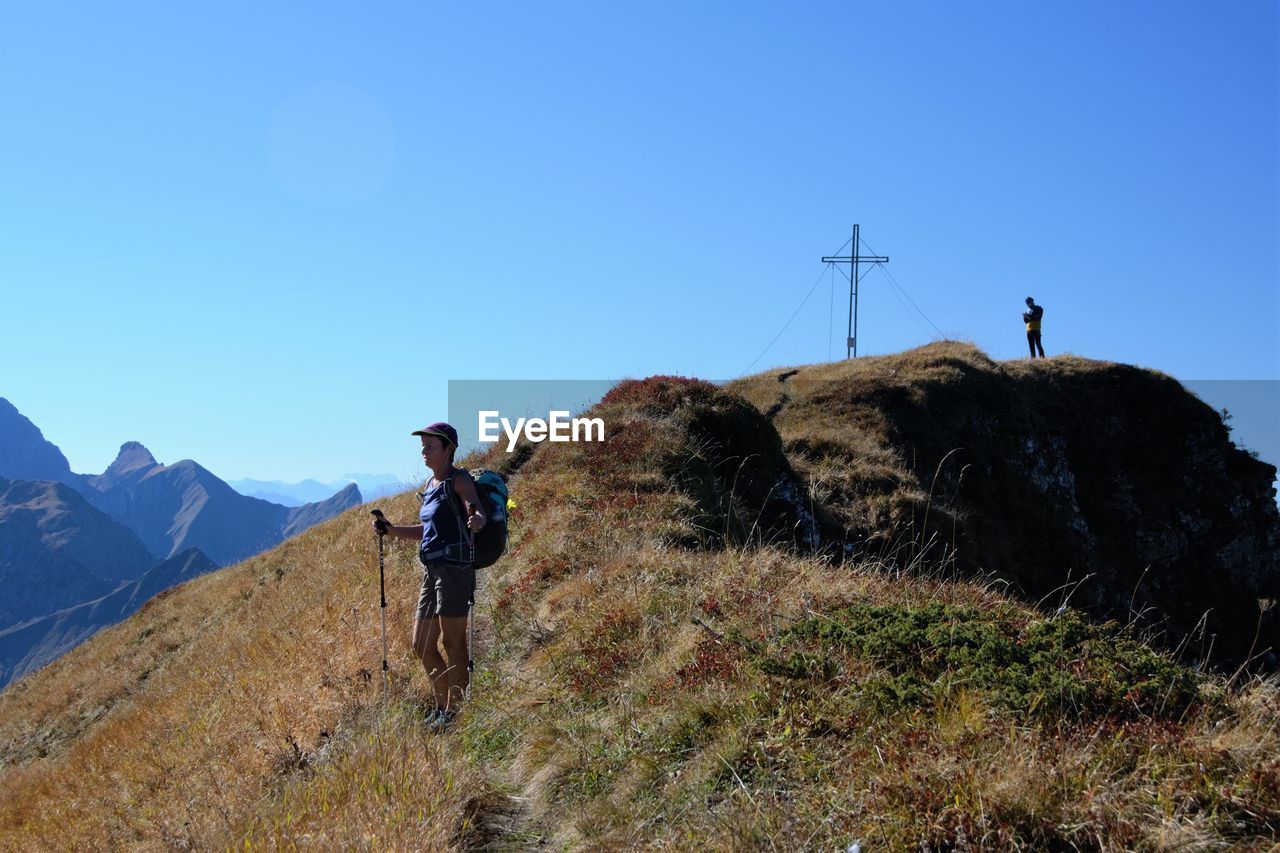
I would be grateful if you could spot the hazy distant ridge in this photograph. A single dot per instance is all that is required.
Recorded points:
(371, 486)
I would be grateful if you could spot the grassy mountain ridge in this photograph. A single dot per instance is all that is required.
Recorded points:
(664, 659)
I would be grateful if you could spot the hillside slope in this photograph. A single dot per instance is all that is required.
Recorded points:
(663, 661)
(178, 726)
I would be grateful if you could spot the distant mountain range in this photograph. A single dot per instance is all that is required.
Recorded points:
(80, 552)
(372, 487)
(175, 507)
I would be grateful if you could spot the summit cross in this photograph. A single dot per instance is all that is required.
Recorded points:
(854, 259)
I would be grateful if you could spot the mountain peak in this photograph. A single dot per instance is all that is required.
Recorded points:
(25, 454)
(131, 457)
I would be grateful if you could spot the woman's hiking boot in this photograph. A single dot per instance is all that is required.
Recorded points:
(440, 719)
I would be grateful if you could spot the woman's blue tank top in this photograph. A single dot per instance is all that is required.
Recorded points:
(444, 533)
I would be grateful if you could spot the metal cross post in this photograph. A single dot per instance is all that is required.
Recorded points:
(853, 260)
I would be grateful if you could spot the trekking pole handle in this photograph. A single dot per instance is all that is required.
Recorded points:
(381, 523)
(471, 509)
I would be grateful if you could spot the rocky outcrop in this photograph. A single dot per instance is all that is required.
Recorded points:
(720, 452)
(1103, 485)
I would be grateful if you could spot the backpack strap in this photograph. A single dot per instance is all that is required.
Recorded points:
(466, 549)
(469, 547)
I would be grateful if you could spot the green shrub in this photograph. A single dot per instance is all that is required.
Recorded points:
(1063, 665)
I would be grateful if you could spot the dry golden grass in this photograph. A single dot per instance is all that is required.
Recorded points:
(390, 786)
(183, 725)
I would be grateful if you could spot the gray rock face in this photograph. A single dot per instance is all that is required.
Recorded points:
(56, 550)
(29, 646)
(131, 464)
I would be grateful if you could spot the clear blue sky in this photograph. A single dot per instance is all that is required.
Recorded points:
(265, 235)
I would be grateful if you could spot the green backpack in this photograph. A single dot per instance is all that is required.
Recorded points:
(491, 540)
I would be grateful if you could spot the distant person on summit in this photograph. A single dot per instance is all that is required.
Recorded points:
(1032, 317)
(449, 577)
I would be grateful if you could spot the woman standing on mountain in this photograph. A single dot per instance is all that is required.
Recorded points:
(444, 531)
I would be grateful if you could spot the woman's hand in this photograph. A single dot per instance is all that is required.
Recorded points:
(475, 518)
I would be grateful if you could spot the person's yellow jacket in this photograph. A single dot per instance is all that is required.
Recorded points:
(1032, 318)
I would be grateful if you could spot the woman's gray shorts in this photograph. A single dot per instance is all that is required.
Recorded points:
(446, 590)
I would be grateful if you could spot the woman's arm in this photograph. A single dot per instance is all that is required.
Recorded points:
(466, 488)
(397, 531)
(407, 531)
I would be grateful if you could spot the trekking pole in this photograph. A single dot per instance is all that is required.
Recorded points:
(471, 605)
(382, 589)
